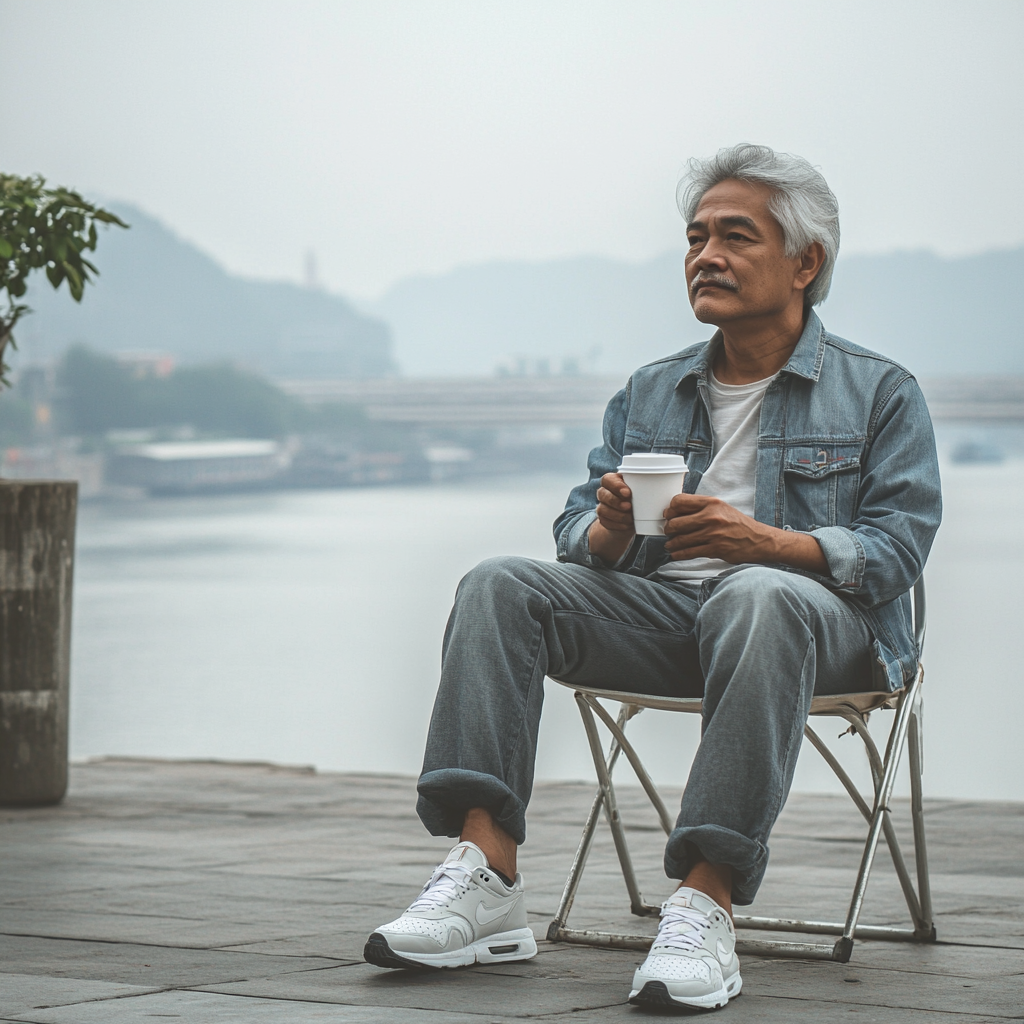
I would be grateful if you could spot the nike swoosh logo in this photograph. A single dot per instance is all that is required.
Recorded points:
(485, 916)
(723, 953)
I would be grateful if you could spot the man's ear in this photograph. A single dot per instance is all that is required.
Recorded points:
(812, 259)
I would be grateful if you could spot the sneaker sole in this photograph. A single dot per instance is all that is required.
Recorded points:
(656, 993)
(505, 947)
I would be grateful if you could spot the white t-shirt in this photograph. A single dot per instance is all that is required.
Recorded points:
(735, 416)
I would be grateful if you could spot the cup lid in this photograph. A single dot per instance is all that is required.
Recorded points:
(652, 462)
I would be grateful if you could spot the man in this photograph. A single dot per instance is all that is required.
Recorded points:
(810, 505)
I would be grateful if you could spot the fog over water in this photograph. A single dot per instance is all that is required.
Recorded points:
(304, 627)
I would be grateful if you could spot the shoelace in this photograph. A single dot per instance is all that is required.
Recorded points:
(682, 927)
(445, 883)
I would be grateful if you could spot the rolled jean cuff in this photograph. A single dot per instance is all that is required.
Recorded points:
(446, 794)
(747, 858)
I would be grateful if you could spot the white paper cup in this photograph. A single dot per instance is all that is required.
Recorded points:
(654, 481)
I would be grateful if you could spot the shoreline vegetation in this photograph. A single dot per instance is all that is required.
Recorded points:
(135, 422)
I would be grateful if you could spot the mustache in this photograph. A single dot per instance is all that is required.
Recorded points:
(720, 280)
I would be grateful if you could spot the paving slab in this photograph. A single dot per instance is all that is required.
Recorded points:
(754, 1009)
(858, 986)
(211, 1008)
(20, 993)
(539, 987)
(150, 966)
(941, 958)
(245, 893)
(157, 930)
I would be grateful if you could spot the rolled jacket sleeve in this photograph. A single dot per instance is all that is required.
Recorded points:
(844, 554)
(573, 544)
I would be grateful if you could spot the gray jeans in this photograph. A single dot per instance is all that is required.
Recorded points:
(757, 643)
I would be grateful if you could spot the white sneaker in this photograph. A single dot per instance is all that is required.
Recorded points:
(693, 960)
(464, 915)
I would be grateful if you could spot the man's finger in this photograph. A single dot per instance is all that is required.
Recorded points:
(688, 525)
(613, 519)
(614, 483)
(606, 497)
(687, 504)
(685, 543)
(606, 513)
(681, 542)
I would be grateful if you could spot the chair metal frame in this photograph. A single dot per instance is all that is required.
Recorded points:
(854, 708)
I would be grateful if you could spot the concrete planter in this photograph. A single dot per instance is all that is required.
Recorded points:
(37, 548)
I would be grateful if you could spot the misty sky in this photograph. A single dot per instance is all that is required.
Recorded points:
(396, 138)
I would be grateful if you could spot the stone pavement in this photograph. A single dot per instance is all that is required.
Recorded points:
(243, 893)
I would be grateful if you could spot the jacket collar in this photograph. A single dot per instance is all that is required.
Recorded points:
(805, 360)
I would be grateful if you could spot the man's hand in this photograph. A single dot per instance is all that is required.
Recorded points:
(614, 531)
(701, 527)
(614, 507)
(698, 526)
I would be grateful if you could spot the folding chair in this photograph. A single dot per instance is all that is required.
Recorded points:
(854, 708)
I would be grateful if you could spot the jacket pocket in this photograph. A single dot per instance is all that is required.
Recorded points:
(820, 485)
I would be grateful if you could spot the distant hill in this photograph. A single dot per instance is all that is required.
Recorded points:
(937, 316)
(158, 292)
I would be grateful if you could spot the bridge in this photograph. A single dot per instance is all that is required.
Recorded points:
(579, 401)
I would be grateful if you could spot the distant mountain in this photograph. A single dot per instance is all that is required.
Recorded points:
(158, 292)
(601, 314)
(937, 316)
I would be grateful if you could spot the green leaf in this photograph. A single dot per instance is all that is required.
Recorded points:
(6, 249)
(75, 282)
(109, 218)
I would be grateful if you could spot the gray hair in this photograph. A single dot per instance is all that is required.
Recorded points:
(801, 202)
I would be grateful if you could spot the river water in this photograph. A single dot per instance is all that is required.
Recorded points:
(304, 628)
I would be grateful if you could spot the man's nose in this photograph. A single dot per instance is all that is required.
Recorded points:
(711, 256)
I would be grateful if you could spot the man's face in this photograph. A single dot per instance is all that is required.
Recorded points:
(736, 267)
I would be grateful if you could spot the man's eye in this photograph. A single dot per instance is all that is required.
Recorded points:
(735, 236)
(695, 240)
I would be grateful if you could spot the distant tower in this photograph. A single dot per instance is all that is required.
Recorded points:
(311, 275)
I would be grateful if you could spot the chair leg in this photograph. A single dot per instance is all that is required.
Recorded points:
(636, 901)
(844, 946)
(877, 772)
(617, 730)
(579, 862)
(572, 883)
(919, 899)
(926, 925)
(905, 729)
(833, 762)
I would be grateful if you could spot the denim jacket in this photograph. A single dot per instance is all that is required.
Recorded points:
(845, 452)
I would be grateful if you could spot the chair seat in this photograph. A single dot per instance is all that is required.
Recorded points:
(834, 704)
